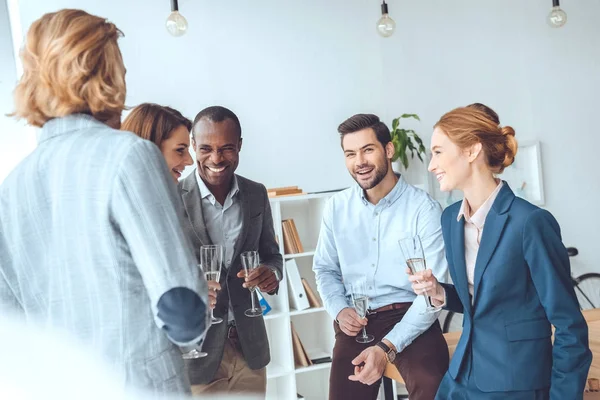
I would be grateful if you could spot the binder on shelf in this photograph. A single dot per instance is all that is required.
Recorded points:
(301, 358)
(297, 294)
(313, 300)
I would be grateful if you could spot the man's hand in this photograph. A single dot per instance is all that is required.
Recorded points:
(262, 277)
(213, 288)
(349, 321)
(373, 360)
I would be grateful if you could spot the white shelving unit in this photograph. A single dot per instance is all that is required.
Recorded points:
(314, 326)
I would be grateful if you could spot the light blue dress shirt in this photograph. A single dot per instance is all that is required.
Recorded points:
(360, 240)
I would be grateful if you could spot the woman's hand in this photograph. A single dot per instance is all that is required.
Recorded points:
(426, 284)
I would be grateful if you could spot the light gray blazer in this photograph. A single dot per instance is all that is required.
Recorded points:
(91, 243)
(257, 234)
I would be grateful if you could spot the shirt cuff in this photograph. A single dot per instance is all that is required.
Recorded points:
(335, 308)
(436, 303)
(277, 273)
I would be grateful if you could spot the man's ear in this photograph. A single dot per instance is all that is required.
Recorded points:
(240, 144)
(193, 142)
(390, 149)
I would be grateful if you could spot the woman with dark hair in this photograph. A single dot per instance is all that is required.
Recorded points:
(166, 128)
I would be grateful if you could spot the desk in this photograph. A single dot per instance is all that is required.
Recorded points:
(591, 316)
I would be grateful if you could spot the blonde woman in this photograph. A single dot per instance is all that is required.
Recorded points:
(510, 274)
(91, 241)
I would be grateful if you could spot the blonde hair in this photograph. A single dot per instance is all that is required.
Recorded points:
(71, 64)
(466, 126)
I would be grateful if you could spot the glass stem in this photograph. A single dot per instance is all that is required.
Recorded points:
(427, 301)
(364, 330)
(212, 316)
(252, 298)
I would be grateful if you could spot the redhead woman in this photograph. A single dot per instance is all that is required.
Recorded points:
(510, 274)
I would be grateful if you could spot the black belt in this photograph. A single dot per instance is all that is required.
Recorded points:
(389, 307)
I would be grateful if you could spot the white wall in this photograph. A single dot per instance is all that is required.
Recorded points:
(15, 141)
(293, 70)
(542, 81)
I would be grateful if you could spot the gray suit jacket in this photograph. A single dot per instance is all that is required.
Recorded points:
(91, 244)
(257, 234)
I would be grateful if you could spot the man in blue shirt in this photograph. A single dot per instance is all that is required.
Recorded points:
(359, 240)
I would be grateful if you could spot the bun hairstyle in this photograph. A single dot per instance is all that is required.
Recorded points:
(477, 123)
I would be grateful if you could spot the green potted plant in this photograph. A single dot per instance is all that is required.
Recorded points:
(406, 140)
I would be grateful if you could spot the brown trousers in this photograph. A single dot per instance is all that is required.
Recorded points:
(234, 376)
(422, 364)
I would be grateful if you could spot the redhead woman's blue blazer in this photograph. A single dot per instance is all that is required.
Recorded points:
(522, 286)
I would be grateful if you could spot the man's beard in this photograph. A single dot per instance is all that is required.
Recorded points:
(380, 173)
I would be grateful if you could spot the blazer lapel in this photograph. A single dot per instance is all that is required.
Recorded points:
(192, 202)
(492, 232)
(460, 266)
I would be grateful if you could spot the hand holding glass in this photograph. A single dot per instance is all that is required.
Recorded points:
(211, 257)
(361, 304)
(195, 353)
(412, 252)
(250, 261)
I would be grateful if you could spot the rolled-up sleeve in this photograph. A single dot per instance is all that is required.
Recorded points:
(414, 322)
(149, 214)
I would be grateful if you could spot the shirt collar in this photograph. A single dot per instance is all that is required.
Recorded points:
(206, 193)
(69, 123)
(478, 218)
(389, 198)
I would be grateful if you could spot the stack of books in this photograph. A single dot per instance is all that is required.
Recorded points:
(302, 358)
(291, 240)
(284, 191)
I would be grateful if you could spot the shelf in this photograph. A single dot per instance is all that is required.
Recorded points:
(315, 367)
(307, 311)
(297, 255)
(286, 199)
(275, 370)
(274, 314)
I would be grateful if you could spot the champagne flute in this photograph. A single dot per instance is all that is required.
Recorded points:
(250, 261)
(412, 252)
(358, 291)
(211, 257)
(195, 353)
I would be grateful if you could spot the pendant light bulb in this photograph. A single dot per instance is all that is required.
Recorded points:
(557, 17)
(386, 25)
(176, 23)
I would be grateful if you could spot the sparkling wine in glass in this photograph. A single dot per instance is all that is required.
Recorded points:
(412, 252)
(250, 261)
(211, 257)
(361, 304)
(195, 353)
